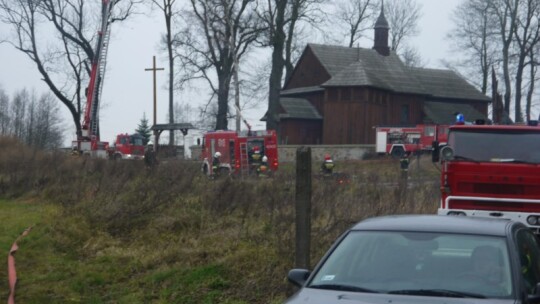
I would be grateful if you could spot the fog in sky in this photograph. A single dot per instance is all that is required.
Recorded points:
(127, 91)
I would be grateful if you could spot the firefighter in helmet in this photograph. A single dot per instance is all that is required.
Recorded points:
(150, 155)
(255, 158)
(255, 155)
(327, 166)
(262, 169)
(404, 162)
(216, 162)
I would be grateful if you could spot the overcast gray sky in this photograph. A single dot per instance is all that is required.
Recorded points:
(127, 91)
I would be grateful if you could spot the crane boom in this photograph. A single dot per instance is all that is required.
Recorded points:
(88, 143)
(243, 119)
(90, 126)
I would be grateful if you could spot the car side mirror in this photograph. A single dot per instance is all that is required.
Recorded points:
(298, 277)
(535, 297)
(435, 151)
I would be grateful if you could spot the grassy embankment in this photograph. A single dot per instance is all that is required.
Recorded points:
(114, 232)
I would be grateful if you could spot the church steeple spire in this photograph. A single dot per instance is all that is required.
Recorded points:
(381, 34)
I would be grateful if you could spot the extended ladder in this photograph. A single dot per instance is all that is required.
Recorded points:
(244, 160)
(98, 71)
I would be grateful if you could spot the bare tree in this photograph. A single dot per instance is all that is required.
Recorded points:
(36, 120)
(18, 107)
(281, 19)
(505, 12)
(504, 34)
(474, 36)
(356, 16)
(204, 45)
(276, 34)
(300, 12)
(527, 36)
(167, 7)
(402, 16)
(411, 57)
(47, 129)
(63, 62)
(5, 120)
(533, 69)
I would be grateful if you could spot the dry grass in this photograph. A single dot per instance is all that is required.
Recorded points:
(169, 235)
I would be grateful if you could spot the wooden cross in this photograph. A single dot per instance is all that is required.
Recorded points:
(155, 69)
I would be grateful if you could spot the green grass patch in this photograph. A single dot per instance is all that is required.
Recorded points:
(114, 232)
(204, 284)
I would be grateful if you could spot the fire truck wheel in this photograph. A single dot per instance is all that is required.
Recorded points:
(398, 152)
(117, 157)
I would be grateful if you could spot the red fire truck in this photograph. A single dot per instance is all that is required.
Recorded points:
(492, 171)
(403, 140)
(236, 149)
(127, 147)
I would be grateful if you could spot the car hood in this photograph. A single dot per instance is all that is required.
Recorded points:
(314, 296)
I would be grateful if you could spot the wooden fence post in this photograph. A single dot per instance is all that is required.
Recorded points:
(303, 207)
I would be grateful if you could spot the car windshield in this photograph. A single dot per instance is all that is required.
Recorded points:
(418, 263)
(491, 146)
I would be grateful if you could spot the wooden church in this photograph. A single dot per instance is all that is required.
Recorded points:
(337, 95)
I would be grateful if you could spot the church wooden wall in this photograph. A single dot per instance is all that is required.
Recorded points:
(300, 131)
(352, 113)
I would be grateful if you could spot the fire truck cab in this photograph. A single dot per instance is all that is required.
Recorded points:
(127, 147)
(237, 149)
(492, 171)
(399, 141)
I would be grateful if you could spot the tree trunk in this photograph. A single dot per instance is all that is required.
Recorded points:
(289, 67)
(223, 99)
(278, 41)
(519, 80)
(507, 83)
(532, 77)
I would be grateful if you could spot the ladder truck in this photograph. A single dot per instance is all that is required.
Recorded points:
(89, 143)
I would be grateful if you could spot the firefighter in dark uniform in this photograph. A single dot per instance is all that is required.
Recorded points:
(255, 158)
(215, 163)
(404, 163)
(262, 169)
(150, 155)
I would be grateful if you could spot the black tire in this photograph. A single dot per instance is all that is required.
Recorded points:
(398, 152)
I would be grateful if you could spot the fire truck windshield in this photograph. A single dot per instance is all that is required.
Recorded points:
(137, 141)
(495, 145)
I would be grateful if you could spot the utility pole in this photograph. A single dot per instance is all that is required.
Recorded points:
(154, 69)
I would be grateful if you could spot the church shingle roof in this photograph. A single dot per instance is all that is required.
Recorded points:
(298, 108)
(445, 113)
(365, 67)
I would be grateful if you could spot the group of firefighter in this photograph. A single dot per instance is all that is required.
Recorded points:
(258, 163)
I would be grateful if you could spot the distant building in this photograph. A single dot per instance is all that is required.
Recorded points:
(337, 95)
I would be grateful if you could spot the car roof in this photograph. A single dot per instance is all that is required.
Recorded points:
(437, 223)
